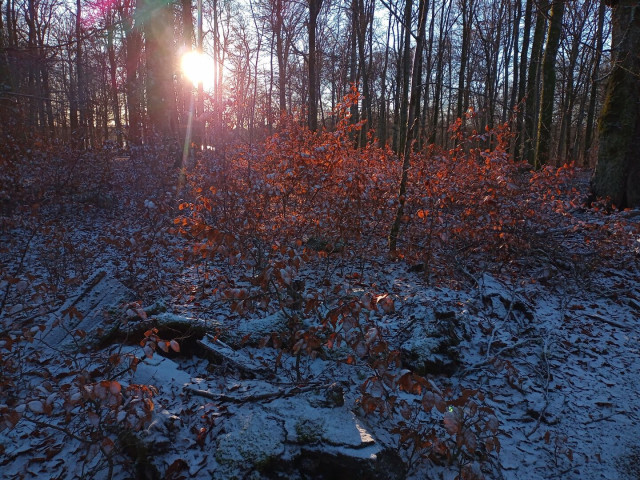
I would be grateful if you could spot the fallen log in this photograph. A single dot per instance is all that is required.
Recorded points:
(235, 359)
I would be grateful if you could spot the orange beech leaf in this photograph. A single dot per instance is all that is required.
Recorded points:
(451, 423)
(115, 387)
(107, 445)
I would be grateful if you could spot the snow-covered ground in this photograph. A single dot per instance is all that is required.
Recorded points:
(552, 355)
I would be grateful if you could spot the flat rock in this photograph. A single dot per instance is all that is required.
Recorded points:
(160, 372)
(85, 312)
(305, 424)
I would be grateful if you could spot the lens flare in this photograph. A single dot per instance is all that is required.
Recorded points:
(198, 68)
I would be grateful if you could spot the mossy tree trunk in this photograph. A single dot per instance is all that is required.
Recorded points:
(617, 173)
(543, 144)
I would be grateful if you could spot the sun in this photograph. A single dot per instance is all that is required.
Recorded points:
(198, 68)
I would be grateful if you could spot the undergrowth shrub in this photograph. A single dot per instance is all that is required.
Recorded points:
(303, 196)
(473, 204)
(84, 394)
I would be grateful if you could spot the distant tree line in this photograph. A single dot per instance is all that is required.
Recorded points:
(92, 71)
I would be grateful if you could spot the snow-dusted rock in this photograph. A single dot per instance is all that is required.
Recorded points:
(161, 372)
(307, 424)
(85, 312)
(252, 331)
(252, 440)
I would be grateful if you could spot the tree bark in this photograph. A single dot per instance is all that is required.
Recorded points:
(113, 66)
(437, 95)
(406, 77)
(532, 104)
(412, 125)
(522, 87)
(467, 12)
(4, 63)
(591, 112)
(159, 54)
(133, 45)
(280, 54)
(382, 115)
(543, 146)
(81, 83)
(364, 16)
(314, 11)
(617, 173)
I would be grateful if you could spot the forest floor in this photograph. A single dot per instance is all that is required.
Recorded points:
(496, 375)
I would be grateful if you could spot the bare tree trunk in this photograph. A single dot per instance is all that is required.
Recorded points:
(568, 100)
(81, 84)
(397, 86)
(5, 78)
(73, 97)
(32, 64)
(425, 133)
(364, 17)
(159, 56)
(467, 12)
(543, 147)
(517, 15)
(382, 115)
(133, 44)
(522, 87)
(406, 77)
(412, 125)
(591, 113)
(282, 60)
(437, 96)
(353, 61)
(185, 87)
(113, 92)
(314, 11)
(46, 93)
(531, 103)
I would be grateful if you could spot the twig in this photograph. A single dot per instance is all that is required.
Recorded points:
(546, 391)
(493, 331)
(606, 417)
(613, 323)
(17, 269)
(223, 398)
(487, 361)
